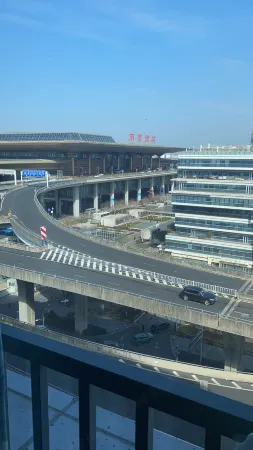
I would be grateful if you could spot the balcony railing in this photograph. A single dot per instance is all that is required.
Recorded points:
(193, 415)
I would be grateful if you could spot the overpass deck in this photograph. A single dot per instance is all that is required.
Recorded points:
(225, 315)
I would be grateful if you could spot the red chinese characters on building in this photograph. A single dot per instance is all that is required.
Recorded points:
(147, 138)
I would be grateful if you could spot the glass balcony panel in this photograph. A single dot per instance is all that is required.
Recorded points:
(113, 417)
(63, 411)
(19, 397)
(169, 432)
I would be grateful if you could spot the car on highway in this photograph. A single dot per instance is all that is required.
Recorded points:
(198, 294)
(143, 338)
(157, 327)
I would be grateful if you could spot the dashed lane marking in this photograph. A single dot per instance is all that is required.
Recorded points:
(215, 381)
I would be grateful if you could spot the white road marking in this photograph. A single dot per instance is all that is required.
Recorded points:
(82, 262)
(233, 307)
(100, 266)
(42, 255)
(60, 255)
(236, 385)
(176, 374)
(195, 378)
(65, 257)
(215, 382)
(156, 369)
(248, 288)
(54, 255)
(241, 289)
(227, 307)
(71, 257)
(77, 259)
(141, 276)
(49, 254)
(88, 263)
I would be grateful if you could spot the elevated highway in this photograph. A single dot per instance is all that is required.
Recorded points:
(140, 294)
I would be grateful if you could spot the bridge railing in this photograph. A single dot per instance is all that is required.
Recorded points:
(154, 276)
(22, 231)
(131, 356)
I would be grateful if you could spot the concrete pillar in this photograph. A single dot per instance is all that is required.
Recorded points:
(118, 162)
(233, 348)
(112, 195)
(139, 190)
(162, 189)
(151, 187)
(151, 162)
(73, 166)
(26, 303)
(89, 165)
(142, 162)
(76, 201)
(81, 313)
(126, 193)
(95, 206)
(57, 202)
(131, 163)
(104, 164)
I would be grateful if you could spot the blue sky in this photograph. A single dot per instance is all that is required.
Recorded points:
(180, 70)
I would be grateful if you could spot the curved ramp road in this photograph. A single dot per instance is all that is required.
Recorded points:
(21, 202)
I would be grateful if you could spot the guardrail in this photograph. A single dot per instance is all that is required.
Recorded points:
(23, 231)
(130, 356)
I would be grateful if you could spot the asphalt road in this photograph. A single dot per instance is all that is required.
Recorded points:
(33, 262)
(21, 203)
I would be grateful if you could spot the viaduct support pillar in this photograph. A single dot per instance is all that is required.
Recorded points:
(233, 348)
(57, 202)
(76, 201)
(104, 164)
(112, 195)
(81, 313)
(96, 197)
(151, 187)
(126, 193)
(139, 190)
(162, 185)
(26, 304)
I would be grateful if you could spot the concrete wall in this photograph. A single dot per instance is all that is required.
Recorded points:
(150, 305)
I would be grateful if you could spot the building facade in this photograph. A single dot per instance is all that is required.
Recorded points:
(212, 199)
(78, 154)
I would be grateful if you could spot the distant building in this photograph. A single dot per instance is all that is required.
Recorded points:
(78, 153)
(212, 199)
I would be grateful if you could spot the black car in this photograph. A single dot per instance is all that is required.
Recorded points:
(198, 294)
(157, 327)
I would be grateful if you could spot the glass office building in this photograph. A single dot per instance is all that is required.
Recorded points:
(212, 200)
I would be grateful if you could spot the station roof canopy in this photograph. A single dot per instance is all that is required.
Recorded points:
(73, 142)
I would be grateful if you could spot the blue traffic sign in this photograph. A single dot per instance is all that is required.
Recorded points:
(34, 173)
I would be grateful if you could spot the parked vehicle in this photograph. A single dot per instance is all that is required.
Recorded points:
(198, 294)
(143, 338)
(157, 327)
